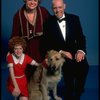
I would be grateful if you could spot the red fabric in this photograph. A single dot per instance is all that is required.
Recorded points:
(19, 70)
(22, 83)
(44, 64)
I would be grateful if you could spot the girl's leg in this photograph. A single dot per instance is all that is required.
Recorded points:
(16, 98)
(23, 98)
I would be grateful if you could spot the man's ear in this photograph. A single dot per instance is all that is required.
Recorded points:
(65, 6)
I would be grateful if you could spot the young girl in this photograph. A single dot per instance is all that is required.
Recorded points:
(17, 62)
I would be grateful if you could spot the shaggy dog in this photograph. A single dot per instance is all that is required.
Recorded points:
(52, 74)
(34, 87)
(45, 79)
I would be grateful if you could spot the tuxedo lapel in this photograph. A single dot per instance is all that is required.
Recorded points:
(60, 33)
(57, 30)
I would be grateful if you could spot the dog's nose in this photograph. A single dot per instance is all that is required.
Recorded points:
(50, 59)
(53, 68)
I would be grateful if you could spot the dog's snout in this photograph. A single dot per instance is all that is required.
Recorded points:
(53, 67)
(50, 59)
(51, 70)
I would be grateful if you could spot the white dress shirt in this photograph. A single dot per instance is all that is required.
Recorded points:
(62, 26)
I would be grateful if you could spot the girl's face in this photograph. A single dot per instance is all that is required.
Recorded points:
(18, 50)
(31, 4)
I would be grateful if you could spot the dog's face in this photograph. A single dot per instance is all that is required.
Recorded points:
(55, 61)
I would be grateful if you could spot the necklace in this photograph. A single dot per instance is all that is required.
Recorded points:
(31, 28)
(30, 32)
(31, 17)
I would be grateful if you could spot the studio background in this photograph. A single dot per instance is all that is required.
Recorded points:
(87, 10)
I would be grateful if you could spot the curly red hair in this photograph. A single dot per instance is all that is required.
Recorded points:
(14, 41)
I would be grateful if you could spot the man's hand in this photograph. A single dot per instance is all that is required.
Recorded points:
(66, 54)
(79, 56)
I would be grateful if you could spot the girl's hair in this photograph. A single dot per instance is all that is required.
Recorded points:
(15, 41)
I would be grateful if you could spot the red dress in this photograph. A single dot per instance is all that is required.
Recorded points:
(19, 71)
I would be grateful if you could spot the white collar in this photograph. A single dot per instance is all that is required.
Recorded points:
(16, 61)
(63, 16)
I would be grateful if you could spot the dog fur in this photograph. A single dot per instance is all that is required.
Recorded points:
(50, 76)
(34, 85)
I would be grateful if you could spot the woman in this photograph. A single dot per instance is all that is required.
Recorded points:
(28, 23)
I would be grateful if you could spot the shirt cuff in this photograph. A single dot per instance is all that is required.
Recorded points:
(82, 51)
(10, 65)
(33, 62)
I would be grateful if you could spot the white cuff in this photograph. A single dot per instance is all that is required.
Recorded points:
(33, 62)
(10, 65)
(82, 51)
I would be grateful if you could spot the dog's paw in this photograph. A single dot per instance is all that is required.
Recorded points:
(57, 98)
(47, 98)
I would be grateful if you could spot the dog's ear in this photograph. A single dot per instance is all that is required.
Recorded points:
(46, 60)
(48, 52)
(63, 55)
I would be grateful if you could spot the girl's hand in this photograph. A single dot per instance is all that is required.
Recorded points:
(36, 64)
(16, 92)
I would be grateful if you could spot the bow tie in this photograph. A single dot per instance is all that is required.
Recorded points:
(60, 20)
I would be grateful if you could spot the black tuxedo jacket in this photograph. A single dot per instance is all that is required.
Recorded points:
(53, 39)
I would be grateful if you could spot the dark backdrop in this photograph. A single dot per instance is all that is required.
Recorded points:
(86, 9)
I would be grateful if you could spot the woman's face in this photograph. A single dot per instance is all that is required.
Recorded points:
(31, 4)
(18, 50)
